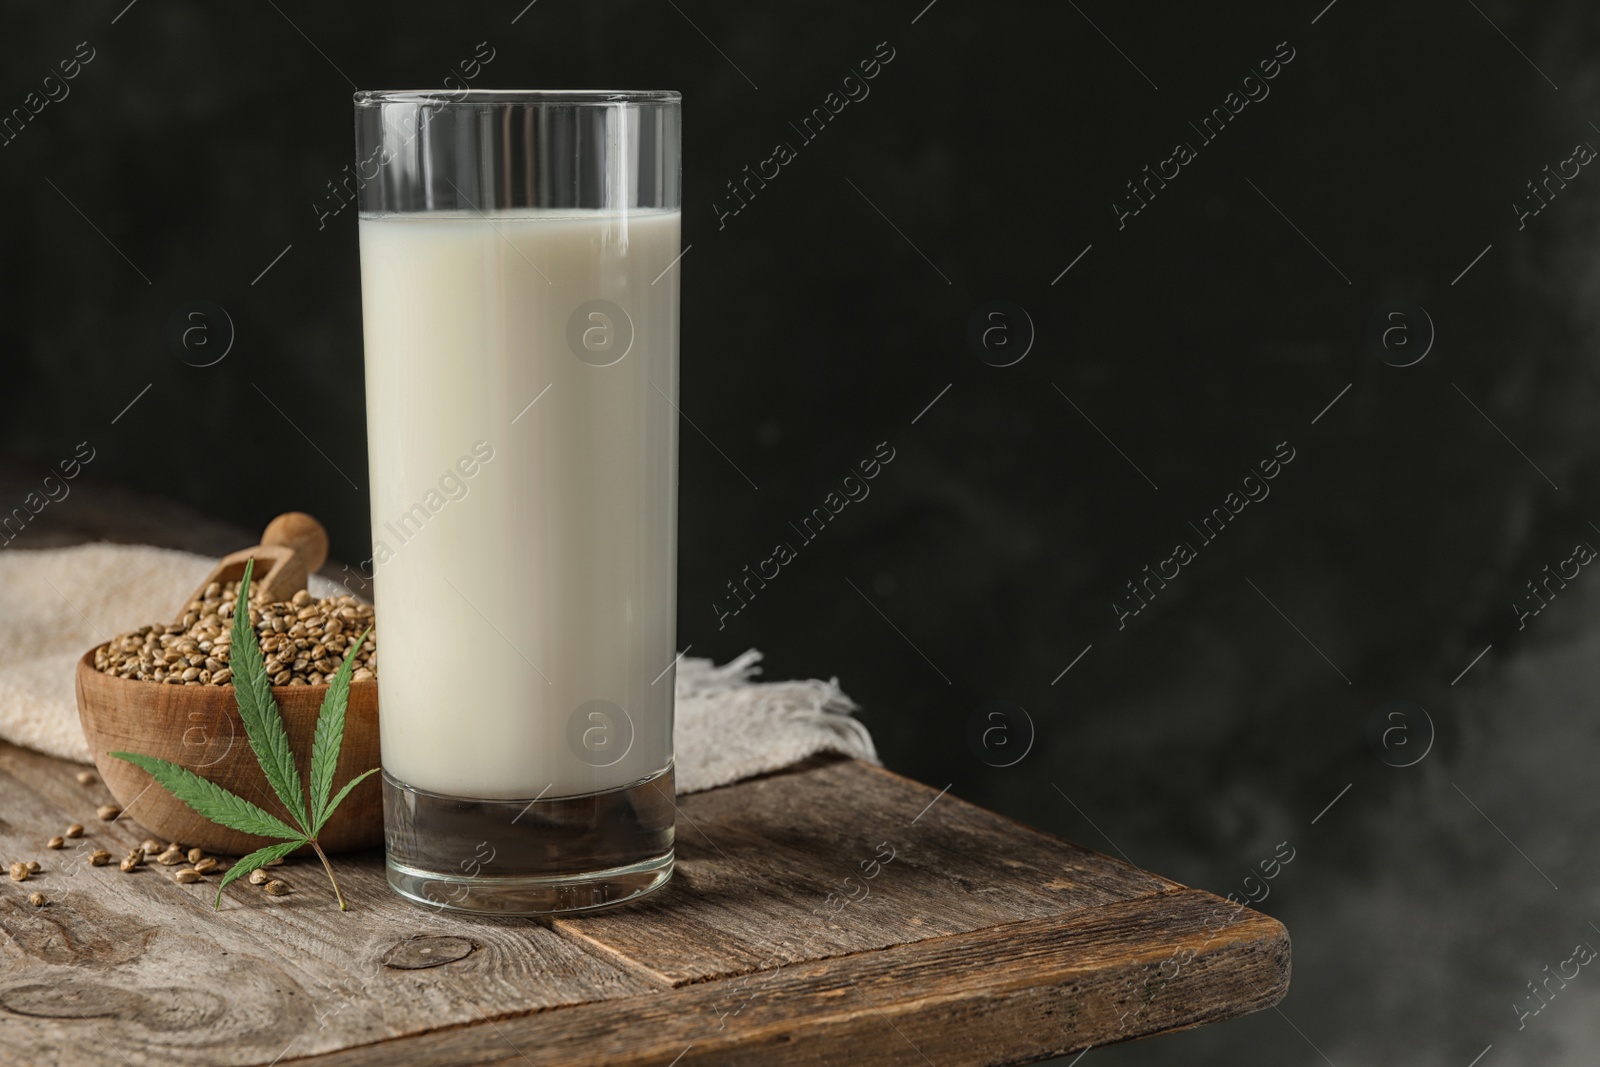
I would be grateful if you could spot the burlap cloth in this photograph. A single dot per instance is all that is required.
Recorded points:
(55, 604)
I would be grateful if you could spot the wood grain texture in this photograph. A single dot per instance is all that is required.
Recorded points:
(146, 959)
(772, 851)
(979, 942)
(1009, 994)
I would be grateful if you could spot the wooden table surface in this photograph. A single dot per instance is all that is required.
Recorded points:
(832, 913)
(975, 940)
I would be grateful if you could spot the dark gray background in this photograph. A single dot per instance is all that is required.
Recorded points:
(1222, 320)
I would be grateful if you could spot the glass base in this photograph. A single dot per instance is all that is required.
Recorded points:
(529, 857)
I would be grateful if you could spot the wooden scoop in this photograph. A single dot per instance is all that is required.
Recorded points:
(293, 547)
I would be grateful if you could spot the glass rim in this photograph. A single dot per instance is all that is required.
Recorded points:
(470, 97)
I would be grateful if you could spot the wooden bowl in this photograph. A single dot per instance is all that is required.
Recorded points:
(198, 727)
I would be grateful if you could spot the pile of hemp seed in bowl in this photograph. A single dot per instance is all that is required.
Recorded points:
(303, 641)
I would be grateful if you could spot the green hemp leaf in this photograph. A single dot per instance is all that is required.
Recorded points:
(263, 724)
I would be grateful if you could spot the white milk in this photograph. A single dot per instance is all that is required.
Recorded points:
(525, 556)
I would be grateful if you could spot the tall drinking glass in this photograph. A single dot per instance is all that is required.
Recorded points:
(519, 293)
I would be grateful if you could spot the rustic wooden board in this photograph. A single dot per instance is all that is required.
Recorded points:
(979, 942)
(1008, 994)
(183, 984)
(778, 856)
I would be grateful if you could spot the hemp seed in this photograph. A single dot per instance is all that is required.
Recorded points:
(258, 877)
(99, 858)
(36, 899)
(86, 777)
(75, 830)
(56, 842)
(187, 876)
(107, 812)
(277, 887)
(295, 637)
(20, 872)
